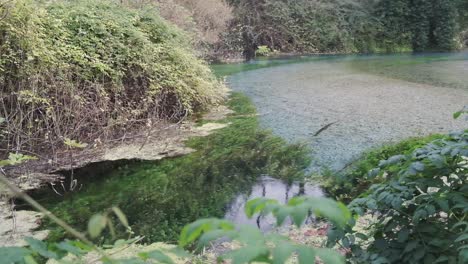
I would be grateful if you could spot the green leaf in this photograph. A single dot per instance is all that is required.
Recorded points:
(212, 236)
(281, 214)
(247, 254)
(68, 246)
(461, 238)
(282, 252)
(13, 254)
(306, 255)
(157, 255)
(194, 230)
(330, 256)
(457, 114)
(403, 235)
(17, 158)
(299, 214)
(255, 206)
(74, 144)
(96, 225)
(336, 212)
(40, 248)
(121, 216)
(29, 260)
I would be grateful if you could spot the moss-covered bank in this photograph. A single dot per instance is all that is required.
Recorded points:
(160, 197)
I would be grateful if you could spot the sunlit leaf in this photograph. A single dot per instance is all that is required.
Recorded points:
(96, 225)
(121, 216)
(13, 254)
(157, 255)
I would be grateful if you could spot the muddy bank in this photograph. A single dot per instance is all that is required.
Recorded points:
(340, 112)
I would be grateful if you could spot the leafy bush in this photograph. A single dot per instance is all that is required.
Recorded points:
(355, 181)
(253, 244)
(270, 248)
(91, 70)
(422, 207)
(263, 51)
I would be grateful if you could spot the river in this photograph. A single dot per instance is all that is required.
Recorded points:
(342, 106)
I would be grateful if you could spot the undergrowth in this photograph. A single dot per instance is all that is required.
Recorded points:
(159, 198)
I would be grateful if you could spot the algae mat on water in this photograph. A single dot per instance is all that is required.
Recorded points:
(160, 197)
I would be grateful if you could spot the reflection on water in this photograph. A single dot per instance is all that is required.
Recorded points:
(272, 189)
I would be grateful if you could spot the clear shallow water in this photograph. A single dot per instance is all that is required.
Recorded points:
(268, 187)
(362, 101)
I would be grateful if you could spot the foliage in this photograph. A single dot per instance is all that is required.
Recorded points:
(15, 159)
(256, 246)
(301, 26)
(92, 70)
(269, 248)
(205, 21)
(365, 26)
(422, 207)
(355, 181)
(153, 193)
(263, 51)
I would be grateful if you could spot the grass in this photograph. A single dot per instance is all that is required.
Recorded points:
(159, 198)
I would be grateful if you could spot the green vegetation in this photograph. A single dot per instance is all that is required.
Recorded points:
(349, 26)
(421, 202)
(90, 70)
(159, 198)
(355, 181)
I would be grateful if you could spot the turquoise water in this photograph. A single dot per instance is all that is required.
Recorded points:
(360, 101)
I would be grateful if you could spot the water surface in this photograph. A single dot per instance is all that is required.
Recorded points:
(342, 106)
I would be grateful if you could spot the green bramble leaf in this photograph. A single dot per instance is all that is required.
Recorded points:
(41, 248)
(193, 231)
(96, 225)
(258, 205)
(13, 254)
(121, 216)
(157, 255)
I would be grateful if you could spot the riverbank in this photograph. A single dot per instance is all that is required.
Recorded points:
(160, 197)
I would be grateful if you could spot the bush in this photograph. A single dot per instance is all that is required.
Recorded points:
(90, 70)
(422, 207)
(263, 51)
(354, 181)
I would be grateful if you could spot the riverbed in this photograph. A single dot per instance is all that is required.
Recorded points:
(341, 106)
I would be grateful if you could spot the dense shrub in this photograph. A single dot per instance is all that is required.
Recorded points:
(90, 70)
(421, 207)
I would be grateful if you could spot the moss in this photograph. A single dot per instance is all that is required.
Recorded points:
(160, 197)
